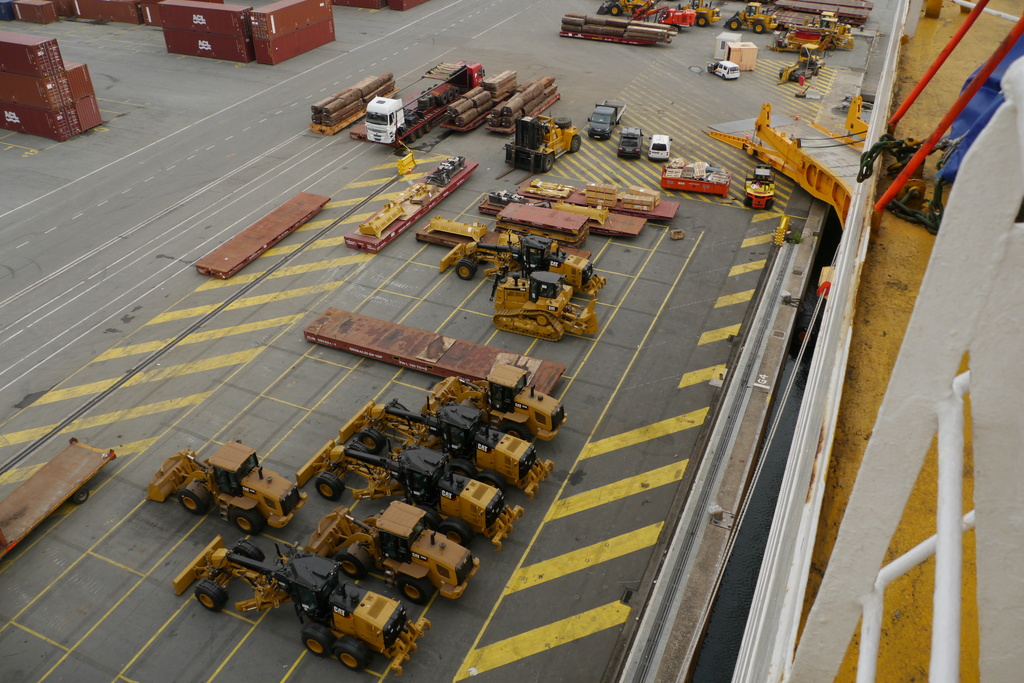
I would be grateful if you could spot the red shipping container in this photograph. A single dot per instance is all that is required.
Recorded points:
(79, 80)
(403, 5)
(365, 4)
(277, 50)
(29, 55)
(202, 44)
(283, 17)
(187, 15)
(48, 92)
(150, 13)
(57, 125)
(88, 110)
(65, 8)
(35, 11)
(118, 11)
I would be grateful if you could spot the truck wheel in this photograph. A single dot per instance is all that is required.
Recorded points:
(195, 499)
(759, 27)
(769, 204)
(465, 269)
(431, 517)
(248, 549)
(491, 478)
(80, 496)
(248, 521)
(520, 431)
(354, 561)
(371, 439)
(548, 162)
(352, 653)
(417, 590)
(748, 201)
(462, 466)
(329, 485)
(457, 530)
(734, 24)
(317, 638)
(702, 20)
(575, 145)
(211, 595)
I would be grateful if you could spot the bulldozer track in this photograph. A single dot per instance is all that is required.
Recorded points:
(514, 320)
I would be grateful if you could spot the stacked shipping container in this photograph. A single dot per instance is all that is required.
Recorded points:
(119, 11)
(207, 30)
(35, 11)
(41, 94)
(288, 28)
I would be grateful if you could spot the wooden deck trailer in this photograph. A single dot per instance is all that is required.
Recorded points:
(664, 211)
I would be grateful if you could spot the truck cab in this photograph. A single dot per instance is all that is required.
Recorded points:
(604, 118)
(384, 117)
(631, 142)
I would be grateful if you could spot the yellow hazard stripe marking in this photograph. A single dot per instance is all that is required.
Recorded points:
(323, 243)
(720, 334)
(314, 225)
(755, 241)
(640, 483)
(584, 558)
(204, 336)
(737, 298)
(245, 302)
(645, 433)
(15, 438)
(288, 271)
(387, 196)
(766, 216)
(380, 181)
(543, 638)
(701, 376)
(747, 267)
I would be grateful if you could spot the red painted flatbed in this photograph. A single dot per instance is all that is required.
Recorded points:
(47, 489)
(373, 244)
(664, 211)
(569, 229)
(233, 255)
(420, 350)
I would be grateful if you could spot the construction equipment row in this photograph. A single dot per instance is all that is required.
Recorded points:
(527, 99)
(345, 107)
(615, 30)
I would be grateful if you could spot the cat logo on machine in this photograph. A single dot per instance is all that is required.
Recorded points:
(552, 308)
(421, 558)
(483, 448)
(522, 406)
(249, 490)
(448, 494)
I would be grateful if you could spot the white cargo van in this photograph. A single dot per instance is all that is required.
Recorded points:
(660, 148)
(727, 70)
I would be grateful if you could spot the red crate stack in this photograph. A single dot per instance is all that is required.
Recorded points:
(41, 94)
(288, 28)
(203, 29)
(35, 11)
(119, 11)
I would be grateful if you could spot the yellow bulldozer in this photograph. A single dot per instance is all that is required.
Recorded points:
(808, 63)
(754, 18)
(540, 306)
(539, 140)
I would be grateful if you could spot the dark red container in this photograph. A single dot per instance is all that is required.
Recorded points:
(65, 8)
(286, 16)
(29, 55)
(403, 5)
(150, 13)
(117, 11)
(88, 110)
(35, 11)
(49, 92)
(365, 4)
(277, 50)
(79, 80)
(202, 44)
(57, 125)
(204, 17)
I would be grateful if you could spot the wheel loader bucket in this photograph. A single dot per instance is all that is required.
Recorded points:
(170, 477)
(317, 464)
(198, 568)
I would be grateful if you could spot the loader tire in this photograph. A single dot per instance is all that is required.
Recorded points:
(371, 439)
(465, 269)
(615, 10)
(491, 478)
(759, 27)
(548, 162)
(457, 530)
(329, 485)
(462, 466)
(562, 122)
(211, 595)
(352, 653)
(248, 521)
(317, 638)
(355, 561)
(195, 499)
(517, 430)
(431, 517)
(702, 21)
(415, 589)
(575, 145)
(248, 549)
(734, 24)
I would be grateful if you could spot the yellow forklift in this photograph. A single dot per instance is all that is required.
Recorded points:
(539, 140)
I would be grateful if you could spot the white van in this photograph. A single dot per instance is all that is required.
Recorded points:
(660, 148)
(727, 70)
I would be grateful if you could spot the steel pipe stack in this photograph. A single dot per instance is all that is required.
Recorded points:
(202, 29)
(346, 103)
(43, 95)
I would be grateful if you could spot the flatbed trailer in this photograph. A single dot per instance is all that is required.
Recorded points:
(447, 239)
(507, 130)
(853, 12)
(355, 239)
(664, 211)
(616, 225)
(611, 39)
(233, 255)
(321, 129)
(49, 487)
(568, 229)
(424, 351)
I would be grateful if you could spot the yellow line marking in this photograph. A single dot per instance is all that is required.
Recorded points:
(246, 302)
(356, 200)
(206, 335)
(747, 267)
(544, 638)
(213, 363)
(381, 181)
(719, 334)
(621, 489)
(314, 225)
(583, 558)
(645, 433)
(15, 438)
(19, 474)
(701, 376)
(754, 241)
(323, 243)
(732, 299)
(765, 216)
(288, 271)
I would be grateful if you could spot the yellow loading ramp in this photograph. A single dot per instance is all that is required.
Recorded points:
(822, 163)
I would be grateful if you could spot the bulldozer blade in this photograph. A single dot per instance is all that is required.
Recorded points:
(168, 478)
(198, 567)
(317, 464)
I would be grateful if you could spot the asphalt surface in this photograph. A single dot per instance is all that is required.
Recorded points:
(108, 334)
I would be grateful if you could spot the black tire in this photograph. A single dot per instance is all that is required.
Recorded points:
(355, 561)
(329, 485)
(517, 430)
(548, 162)
(733, 24)
(416, 590)
(431, 517)
(462, 466)
(770, 203)
(615, 10)
(195, 499)
(562, 121)
(491, 478)
(248, 521)
(457, 530)
(318, 639)
(211, 595)
(748, 201)
(575, 145)
(759, 27)
(352, 653)
(248, 549)
(371, 439)
(465, 269)
(702, 21)
(80, 496)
